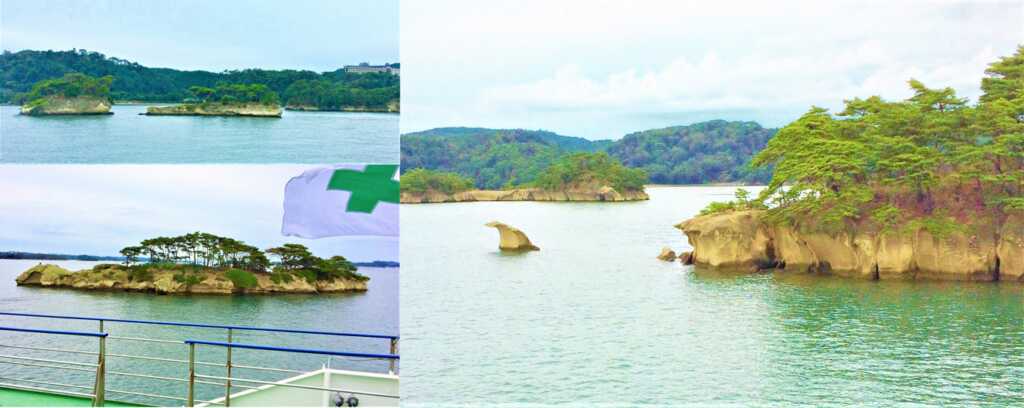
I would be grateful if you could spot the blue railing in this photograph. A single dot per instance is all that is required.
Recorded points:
(98, 389)
(200, 325)
(100, 368)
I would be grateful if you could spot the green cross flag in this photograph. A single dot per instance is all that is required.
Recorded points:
(368, 187)
(345, 199)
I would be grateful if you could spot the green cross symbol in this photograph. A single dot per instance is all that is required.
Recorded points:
(368, 187)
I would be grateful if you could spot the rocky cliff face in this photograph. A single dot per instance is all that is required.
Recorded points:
(525, 194)
(113, 277)
(742, 240)
(216, 109)
(54, 105)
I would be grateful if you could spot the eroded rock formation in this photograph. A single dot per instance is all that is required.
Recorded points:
(742, 240)
(216, 109)
(667, 254)
(57, 105)
(512, 239)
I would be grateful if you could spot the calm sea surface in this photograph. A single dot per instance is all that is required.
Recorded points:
(375, 311)
(127, 137)
(594, 319)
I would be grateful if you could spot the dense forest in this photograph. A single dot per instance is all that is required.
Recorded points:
(932, 161)
(229, 93)
(707, 152)
(715, 151)
(19, 71)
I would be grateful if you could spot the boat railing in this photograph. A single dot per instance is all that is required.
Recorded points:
(194, 377)
(227, 381)
(98, 389)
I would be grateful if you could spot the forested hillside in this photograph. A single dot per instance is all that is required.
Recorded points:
(715, 151)
(134, 82)
(707, 152)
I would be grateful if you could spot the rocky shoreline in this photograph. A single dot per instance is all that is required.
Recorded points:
(61, 106)
(523, 194)
(391, 108)
(112, 277)
(743, 240)
(216, 109)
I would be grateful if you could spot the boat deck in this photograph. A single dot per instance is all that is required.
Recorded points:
(24, 398)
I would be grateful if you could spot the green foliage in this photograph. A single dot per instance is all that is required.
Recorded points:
(422, 180)
(591, 170)
(69, 86)
(328, 95)
(131, 81)
(715, 151)
(241, 279)
(742, 202)
(280, 277)
(295, 259)
(235, 93)
(188, 279)
(709, 152)
(137, 274)
(930, 162)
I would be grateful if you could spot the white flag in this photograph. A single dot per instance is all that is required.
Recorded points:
(342, 200)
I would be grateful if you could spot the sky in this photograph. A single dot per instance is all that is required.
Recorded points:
(97, 210)
(602, 69)
(318, 35)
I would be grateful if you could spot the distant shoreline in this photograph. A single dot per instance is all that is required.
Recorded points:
(31, 256)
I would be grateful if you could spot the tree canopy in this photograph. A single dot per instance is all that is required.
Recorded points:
(69, 86)
(423, 180)
(715, 151)
(933, 160)
(237, 259)
(591, 170)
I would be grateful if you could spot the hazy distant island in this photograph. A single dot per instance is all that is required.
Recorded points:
(208, 264)
(931, 187)
(575, 177)
(72, 94)
(362, 88)
(38, 256)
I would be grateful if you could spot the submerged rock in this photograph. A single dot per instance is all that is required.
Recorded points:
(686, 257)
(667, 254)
(741, 239)
(58, 105)
(512, 239)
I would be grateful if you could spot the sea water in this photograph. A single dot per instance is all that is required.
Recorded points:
(373, 311)
(127, 137)
(594, 319)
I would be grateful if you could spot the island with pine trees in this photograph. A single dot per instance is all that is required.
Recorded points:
(72, 94)
(931, 187)
(202, 263)
(256, 100)
(574, 177)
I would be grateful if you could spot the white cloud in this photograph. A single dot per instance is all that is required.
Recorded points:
(602, 69)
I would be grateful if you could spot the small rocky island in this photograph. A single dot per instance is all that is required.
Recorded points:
(927, 188)
(73, 94)
(511, 238)
(252, 100)
(201, 263)
(576, 177)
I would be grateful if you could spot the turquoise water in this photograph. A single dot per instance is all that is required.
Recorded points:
(375, 311)
(594, 319)
(127, 137)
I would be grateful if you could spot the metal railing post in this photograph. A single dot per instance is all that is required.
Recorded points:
(227, 383)
(394, 350)
(100, 386)
(190, 401)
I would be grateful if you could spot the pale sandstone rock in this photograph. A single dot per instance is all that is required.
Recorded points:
(512, 239)
(667, 254)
